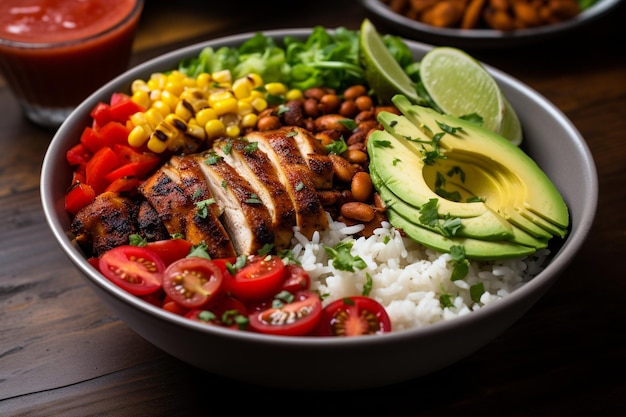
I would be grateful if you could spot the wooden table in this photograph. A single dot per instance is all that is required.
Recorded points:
(63, 353)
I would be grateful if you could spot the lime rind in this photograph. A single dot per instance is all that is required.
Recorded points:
(383, 73)
(460, 85)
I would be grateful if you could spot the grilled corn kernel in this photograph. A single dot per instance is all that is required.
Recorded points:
(157, 142)
(142, 98)
(242, 88)
(259, 104)
(244, 107)
(169, 98)
(204, 80)
(162, 107)
(293, 94)
(233, 131)
(222, 77)
(276, 89)
(219, 96)
(204, 115)
(214, 128)
(255, 79)
(228, 105)
(139, 85)
(138, 136)
(249, 120)
(157, 81)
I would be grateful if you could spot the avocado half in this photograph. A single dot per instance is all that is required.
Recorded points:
(502, 203)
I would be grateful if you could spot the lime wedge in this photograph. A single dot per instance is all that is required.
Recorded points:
(460, 85)
(383, 73)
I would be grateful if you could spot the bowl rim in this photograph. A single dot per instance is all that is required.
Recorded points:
(52, 206)
(479, 37)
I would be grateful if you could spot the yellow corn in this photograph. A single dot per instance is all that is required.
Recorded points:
(184, 111)
(214, 128)
(276, 89)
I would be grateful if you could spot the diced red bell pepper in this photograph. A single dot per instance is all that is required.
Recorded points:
(78, 197)
(101, 114)
(91, 139)
(78, 154)
(127, 170)
(102, 163)
(114, 133)
(123, 184)
(123, 107)
(143, 162)
(118, 97)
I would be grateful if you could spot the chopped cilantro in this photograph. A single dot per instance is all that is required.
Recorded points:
(476, 291)
(342, 258)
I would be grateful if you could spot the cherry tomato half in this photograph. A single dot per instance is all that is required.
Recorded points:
(135, 269)
(170, 250)
(227, 312)
(296, 279)
(192, 282)
(354, 316)
(297, 318)
(260, 278)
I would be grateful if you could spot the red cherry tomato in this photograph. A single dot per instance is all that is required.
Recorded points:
(297, 318)
(296, 279)
(227, 312)
(354, 316)
(135, 269)
(170, 250)
(192, 282)
(260, 278)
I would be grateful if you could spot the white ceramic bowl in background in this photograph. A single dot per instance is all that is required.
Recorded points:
(481, 38)
(362, 362)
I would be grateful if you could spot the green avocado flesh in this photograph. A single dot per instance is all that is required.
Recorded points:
(505, 204)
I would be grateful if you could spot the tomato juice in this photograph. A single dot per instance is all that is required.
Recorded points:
(54, 53)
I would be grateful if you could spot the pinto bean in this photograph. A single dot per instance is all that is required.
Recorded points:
(342, 169)
(310, 107)
(268, 123)
(348, 108)
(354, 92)
(331, 122)
(358, 211)
(361, 186)
(329, 103)
(364, 103)
(328, 197)
(355, 156)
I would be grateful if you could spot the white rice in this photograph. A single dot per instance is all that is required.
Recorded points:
(407, 278)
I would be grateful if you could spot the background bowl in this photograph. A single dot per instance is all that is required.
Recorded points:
(364, 362)
(481, 38)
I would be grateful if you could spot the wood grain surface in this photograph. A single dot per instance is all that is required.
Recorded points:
(62, 352)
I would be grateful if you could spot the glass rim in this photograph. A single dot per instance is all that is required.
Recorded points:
(137, 8)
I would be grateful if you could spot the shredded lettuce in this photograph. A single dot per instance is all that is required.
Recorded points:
(324, 58)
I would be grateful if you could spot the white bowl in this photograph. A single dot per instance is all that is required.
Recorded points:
(353, 363)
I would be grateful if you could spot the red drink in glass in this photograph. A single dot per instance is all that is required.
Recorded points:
(55, 53)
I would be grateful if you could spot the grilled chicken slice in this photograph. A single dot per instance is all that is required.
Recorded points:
(149, 224)
(245, 217)
(163, 190)
(294, 173)
(202, 223)
(105, 223)
(252, 163)
(315, 156)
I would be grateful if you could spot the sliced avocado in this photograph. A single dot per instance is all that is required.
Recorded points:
(486, 148)
(498, 192)
(472, 226)
(489, 226)
(474, 248)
